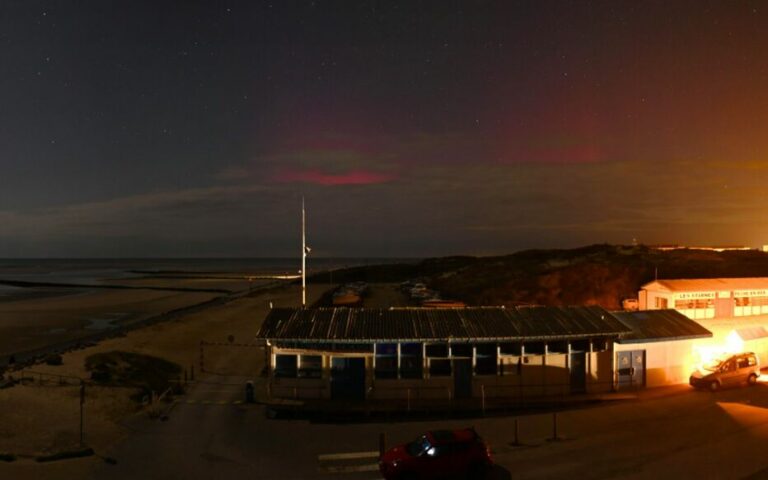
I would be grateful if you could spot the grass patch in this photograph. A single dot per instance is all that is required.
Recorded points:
(127, 369)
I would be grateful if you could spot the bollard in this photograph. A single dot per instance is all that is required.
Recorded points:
(191, 373)
(554, 427)
(249, 392)
(382, 444)
(185, 376)
(482, 397)
(409, 401)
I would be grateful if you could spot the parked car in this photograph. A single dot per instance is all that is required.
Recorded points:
(438, 454)
(727, 370)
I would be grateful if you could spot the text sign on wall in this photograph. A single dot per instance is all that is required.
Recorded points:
(694, 295)
(750, 293)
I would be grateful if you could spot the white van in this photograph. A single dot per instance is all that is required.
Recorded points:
(728, 370)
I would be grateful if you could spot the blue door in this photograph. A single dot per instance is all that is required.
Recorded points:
(630, 368)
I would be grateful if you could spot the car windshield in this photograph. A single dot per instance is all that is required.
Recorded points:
(419, 446)
(714, 364)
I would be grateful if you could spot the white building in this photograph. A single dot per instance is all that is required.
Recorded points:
(707, 298)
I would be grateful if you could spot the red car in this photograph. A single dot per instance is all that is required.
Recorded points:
(438, 454)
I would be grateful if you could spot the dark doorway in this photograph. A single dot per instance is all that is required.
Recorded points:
(348, 378)
(462, 378)
(631, 369)
(578, 372)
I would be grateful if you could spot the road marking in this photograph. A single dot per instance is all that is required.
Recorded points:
(346, 456)
(210, 402)
(372, 467)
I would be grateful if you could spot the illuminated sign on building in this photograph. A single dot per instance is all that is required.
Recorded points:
(750, 293)
(694, 295)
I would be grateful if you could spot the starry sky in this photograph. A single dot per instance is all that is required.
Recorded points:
(414, 128)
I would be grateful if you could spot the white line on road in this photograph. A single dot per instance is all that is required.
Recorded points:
(349, 469)
(346, 456)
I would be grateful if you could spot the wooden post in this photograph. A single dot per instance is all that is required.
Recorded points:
(202, 364)
(82, 412)
(409, 400)
(554, 426)
(517, 432)
(482, 396)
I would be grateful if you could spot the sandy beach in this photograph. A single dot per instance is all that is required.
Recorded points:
(31, 323)
(45, 418)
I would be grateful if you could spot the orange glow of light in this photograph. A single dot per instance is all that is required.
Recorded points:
(706, 354)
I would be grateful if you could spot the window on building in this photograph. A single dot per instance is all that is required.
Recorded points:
(742, 301)
(310, 366)
(437, 350)
(661, 302)
(580, 346)
(486, 360)
(557, 347)
(761, 301)
(386, 360)
(534, 348)
(439, 367)
(515, 368)
(411, 363)
(461, 350)
(599, 344)
(285, 366)
(511, 348)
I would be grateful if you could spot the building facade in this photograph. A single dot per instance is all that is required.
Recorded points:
(707, 298)
(450, 354)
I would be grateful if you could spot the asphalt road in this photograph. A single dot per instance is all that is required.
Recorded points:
(685, 434)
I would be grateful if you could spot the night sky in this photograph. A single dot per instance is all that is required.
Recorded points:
(134, 129)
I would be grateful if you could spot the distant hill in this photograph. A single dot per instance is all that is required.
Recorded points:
(594, 275)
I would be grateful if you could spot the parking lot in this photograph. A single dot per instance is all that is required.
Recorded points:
(672, 433)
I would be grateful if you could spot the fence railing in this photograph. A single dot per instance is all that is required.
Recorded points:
(46, 378)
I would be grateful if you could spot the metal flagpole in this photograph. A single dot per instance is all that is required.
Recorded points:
(303, 257)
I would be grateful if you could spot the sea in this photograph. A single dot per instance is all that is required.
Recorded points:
(89, 271)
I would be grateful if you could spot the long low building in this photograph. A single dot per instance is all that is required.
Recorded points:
(707, 298)
(456, 353)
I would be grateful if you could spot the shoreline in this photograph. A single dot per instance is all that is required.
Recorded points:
(24, 284)
(25, 358)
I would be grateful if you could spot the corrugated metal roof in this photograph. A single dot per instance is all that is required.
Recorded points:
(659, 325)
(708, 284)
(752, 333)
(353, 325)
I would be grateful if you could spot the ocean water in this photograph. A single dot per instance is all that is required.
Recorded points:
(94, 271)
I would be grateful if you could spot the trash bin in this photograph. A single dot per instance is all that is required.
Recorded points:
(249, 395)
